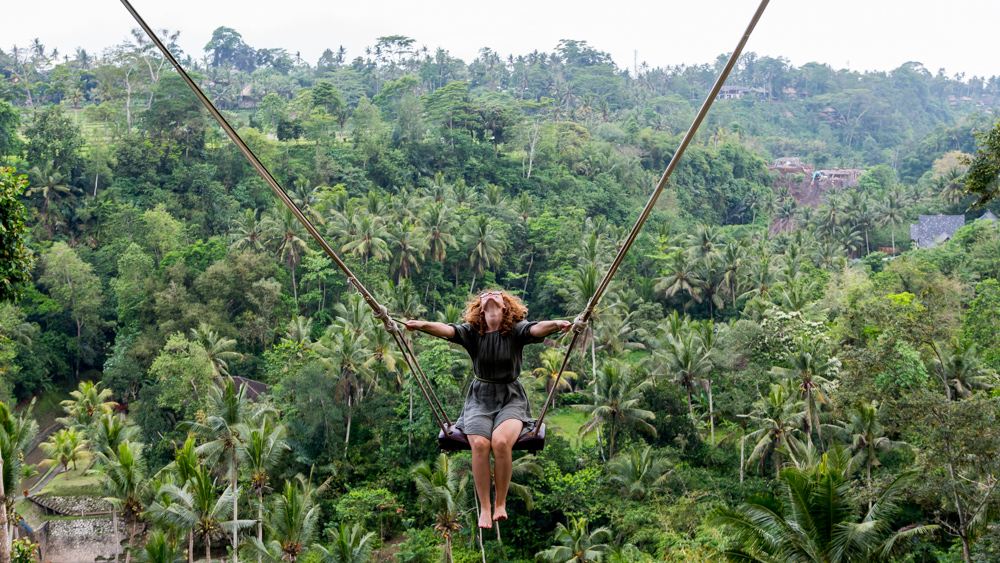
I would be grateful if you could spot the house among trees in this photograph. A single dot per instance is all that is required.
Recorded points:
(935, 229)
(988, 216)
(254, 388)
(732, 93)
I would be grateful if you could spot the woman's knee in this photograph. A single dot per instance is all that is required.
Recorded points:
(503, 443)
(479, 444)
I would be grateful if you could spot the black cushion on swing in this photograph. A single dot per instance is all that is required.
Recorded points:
(456, 440)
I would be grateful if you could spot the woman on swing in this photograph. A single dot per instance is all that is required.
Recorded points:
(496, 411)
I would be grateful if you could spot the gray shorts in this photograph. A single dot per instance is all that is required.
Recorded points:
(489, 404)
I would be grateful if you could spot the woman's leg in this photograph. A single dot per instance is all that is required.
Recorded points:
(481, 475)
(503, 441)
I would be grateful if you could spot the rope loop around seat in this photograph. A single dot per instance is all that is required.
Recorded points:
(580, 324)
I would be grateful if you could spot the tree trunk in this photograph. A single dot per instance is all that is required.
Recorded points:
(347, 437)
(131, 538)
(295, 287)
(191, 545)
(743, 449)
(4, 551)
(208, 551)
(527, 275)
(473, 286)
(260, 519)
(236, 498)
(711, 410)
(114, 527)
(691, 409)
(409, 435)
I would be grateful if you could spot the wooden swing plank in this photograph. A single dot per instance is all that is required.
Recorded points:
(457, 441)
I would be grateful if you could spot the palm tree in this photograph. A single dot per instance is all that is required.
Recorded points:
(953, 182)
(681, 276)
(442, 491)
(811, 519)
(229, 410)
(865, 216)
(778, 416)
(706, 242)
(577, 544)
(248, 232)
(285, 233)
(688, 363)
(65, 447)
(639, 472)
(849, 238)
(344, 355)
(198, 507)
(347, 545)
(17, 432)
(893, 211)
(370, 239)
(218, 348)
(762, 277)
(88, 404)
(732, 262)
(51, 184)
(494, 195)
(866, 435)
(549, 370)
(616, 396)
(159, 549)
(811, 365)
(960, 370)
(291, 523)
(306, 199)
(261, 451)
(524, 207)
(125, 484)
(110, 431)
(408, 244)
(485, 244)
(437, 225)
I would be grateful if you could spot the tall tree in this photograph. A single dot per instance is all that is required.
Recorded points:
(73, 284)
(616, 397)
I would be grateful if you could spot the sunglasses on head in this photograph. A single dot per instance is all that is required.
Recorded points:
(488, 293)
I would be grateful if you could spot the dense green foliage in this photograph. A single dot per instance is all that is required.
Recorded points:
(769, 378)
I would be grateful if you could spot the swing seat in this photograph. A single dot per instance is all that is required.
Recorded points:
(456, 440)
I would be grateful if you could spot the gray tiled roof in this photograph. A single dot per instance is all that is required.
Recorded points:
(934, 229)
(988, 216)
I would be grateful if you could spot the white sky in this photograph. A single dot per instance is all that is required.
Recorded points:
(860, 34)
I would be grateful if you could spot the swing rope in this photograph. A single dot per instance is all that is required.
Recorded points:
(379, 311)
(581, 321)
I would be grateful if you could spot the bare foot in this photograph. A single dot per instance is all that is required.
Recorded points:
(484, 519)
(500, 513)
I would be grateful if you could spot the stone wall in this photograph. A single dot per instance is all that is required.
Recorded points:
(82, 540)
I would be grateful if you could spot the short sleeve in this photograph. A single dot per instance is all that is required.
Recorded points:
(463, 332)
(523, 333)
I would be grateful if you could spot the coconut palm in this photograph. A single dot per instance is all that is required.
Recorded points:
(285, 234)
(347, 545)
(688, 364)
(866, 436)
(247, 232)
(494, 195)
(681, 275)
(639, 472)
(763, 277)
(524, 207)
(463, 194)
(849, 238)
(66, 446)
(261, 451)
(51, 184)
(778, 417)
(159, 549)
(306, 199)
(706, 242)
(125, 484)
(291, 523)
(344, 356)
(485, 243)
(229, 411)
(732, 261)
(443, 492)
(953, 182)
(577, 543)
(438, 230)
(110, 431)
(811, 519)
(198, 507)
(407, 244)
(811, 365)
(299, 331)
(369, 242)
(17, 432)
(616, 396)
(960, 369)
(549, 370)
(893, 211)
(88, 404)
(218, 348)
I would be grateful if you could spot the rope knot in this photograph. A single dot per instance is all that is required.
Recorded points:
(579, 324)
(381, 313)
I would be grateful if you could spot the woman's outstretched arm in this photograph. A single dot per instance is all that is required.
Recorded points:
(545, 328)
(440, 330)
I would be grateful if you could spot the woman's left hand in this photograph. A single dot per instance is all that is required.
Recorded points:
(564, 326)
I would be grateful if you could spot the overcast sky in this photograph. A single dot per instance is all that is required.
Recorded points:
(959, 35)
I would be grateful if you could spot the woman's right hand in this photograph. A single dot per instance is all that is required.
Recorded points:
(414, 325)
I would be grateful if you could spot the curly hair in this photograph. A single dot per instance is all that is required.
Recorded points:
(515, 312)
